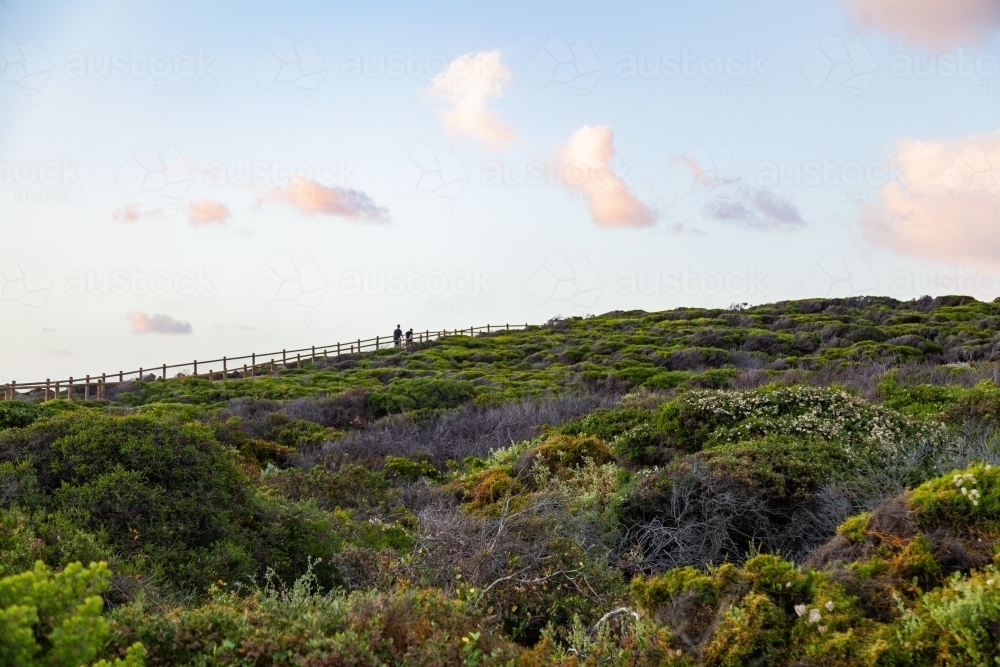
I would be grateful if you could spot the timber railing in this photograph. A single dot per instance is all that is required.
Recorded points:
(253, 365)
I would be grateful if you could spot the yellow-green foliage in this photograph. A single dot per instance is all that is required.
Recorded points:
(958, 624)
(399, 466)
(853, 528)
(54, 619)
(967, 499)
(559, 451)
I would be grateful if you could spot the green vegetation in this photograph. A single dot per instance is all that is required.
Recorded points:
(802, 483)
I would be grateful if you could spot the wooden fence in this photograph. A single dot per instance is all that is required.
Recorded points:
(253, 365)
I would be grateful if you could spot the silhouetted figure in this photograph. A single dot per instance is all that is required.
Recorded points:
(397, 336)
(409, 338)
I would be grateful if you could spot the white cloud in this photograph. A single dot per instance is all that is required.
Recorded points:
(468, 83)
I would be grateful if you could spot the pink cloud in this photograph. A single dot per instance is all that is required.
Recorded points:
(938, 24)
(612, 203)
(314, 198)
(159, 323)
(127, 213)
(946, 204)
(468, 83)
(206, 212)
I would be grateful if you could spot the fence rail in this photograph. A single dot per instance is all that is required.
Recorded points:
(254, 365)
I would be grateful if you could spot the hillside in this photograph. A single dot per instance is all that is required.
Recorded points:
(800, 483)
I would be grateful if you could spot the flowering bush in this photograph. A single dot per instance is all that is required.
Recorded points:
(704, 418)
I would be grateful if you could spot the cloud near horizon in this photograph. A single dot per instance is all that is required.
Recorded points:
(204, 212)
(585, 160)
(757, 209)
(158, 323)
(937, 24)
(468, 83)
(315, 198)
(946, 204)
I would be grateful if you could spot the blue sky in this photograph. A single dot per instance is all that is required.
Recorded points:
(181, 180)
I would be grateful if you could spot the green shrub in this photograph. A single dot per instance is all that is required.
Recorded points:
(54, 619)
(164, 495)
(968, 499)
(606, 424)
(639, 445)
(409, 468)
(782, 466)
(350, 486)
(559, 451)
(299, 625)
(409, 394)
(18, 414)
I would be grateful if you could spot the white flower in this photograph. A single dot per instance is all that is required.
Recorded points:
(821, 629)
(814, 615)
(989, 582)
(800, 609)
(829, 605)
(965, 491)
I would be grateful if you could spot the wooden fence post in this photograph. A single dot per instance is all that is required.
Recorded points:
(298, 360)
(46, 389)
(57, 388)
(314, 354)
(121, 377)
(359, 346)
(164, 371)
(210, 374)
(376, 342)
(140, 375)
(69, 390)
(284, 358)
(225, 370)
(244, 371)
(272, 366)
(196, 368)
(338, 350)
(253, 365)
(86, 388)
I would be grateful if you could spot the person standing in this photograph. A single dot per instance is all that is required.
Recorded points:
(397, 336)
(409, 338)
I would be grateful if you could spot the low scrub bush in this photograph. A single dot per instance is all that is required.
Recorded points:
(54, 619)
(18, 414)
(409, 394)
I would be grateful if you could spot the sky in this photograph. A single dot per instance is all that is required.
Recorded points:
(184, 180)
